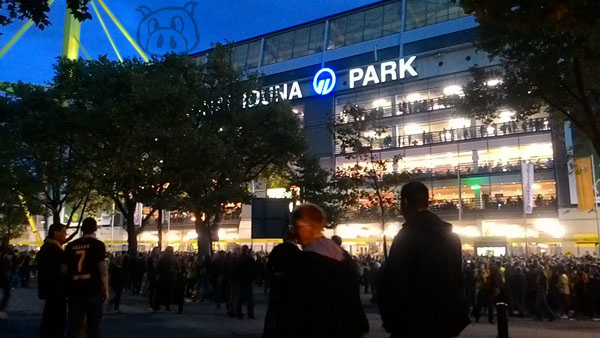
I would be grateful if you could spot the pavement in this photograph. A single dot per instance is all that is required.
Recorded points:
(204, 320)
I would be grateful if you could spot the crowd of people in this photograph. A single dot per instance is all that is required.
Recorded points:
(319, 282)
(537, 286)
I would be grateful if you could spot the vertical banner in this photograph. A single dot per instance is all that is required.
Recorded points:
(571, 163)
(137, 217)
(527, 178)
(166, 217)
(585, 183)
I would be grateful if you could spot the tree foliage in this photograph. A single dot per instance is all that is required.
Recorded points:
(46, 162)
(312, 183)
(370, 182)
(136, 114)
(230, 143)
(37, 11)
(548, 61)
(170, 134)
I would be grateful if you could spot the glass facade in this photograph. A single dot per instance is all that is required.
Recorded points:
(365, 25)
(245, 56)
(421, 13)
(294, 44)
(472, 168)
(362, 25)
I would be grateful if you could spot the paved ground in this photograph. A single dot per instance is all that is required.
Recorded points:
(204, 320)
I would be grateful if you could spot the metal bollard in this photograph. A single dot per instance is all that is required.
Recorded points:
(502, 309)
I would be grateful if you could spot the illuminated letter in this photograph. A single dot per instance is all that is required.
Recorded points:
(406, 67)
(283, 94)
(389, 68)
(263, 97)
(295, 91)
(371, 75)
(355, 75)
(256, 94)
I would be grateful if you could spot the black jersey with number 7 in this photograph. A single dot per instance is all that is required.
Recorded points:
(82, 257)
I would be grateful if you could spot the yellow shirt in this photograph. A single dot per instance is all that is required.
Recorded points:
(563, 284)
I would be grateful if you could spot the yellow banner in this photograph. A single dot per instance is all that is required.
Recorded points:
(585, 238)
(585, 183)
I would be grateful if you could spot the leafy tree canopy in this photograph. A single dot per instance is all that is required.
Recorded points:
(37, 10)
(548, 61)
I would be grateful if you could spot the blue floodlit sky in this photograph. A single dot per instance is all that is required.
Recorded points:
(32, 57)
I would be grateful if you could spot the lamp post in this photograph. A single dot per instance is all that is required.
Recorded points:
(596, 203)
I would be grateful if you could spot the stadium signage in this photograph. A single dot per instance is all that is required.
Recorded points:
(325, 79)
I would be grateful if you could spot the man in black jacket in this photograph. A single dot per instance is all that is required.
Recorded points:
(281, 274)
(328, 290)
(52, 281)
(421, 293)
(166, 269)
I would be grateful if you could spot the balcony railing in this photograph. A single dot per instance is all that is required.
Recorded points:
(471, 207)
(458, 134)
(448, 172)
(500, 204)
(406, 108)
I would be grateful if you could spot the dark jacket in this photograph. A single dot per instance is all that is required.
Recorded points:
(50, 280)
(281, 271)
(329, 298)
(313, 296)
(421, 290)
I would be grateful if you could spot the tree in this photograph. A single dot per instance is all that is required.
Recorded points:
(12, 212)
(37, 10)
(12, 218)
(312, 183)
(370, 183)
(230, 143)
(548, 61)
(45, 149)
(136, 115)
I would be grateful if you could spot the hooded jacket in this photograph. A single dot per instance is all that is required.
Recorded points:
(421, 290)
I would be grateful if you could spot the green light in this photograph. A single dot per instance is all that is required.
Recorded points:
(476, 187)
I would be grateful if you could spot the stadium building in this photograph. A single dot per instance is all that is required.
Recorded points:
(403, 59)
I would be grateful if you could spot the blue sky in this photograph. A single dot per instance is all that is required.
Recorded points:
(32, 57)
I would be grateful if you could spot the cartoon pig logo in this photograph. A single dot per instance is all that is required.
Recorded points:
(169, 29)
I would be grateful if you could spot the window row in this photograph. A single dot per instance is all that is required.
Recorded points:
(345, 30)
(245, 56)
(421, 13)
(365, 25)
(294, 44)
(502, 159)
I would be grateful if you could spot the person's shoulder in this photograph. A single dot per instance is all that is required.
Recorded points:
(284, 247)
(43, 249)
(318, 261)
(98, 243)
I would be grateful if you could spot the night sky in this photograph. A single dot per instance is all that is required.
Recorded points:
(31, 59)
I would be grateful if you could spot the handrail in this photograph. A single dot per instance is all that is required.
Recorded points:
(458, 134)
